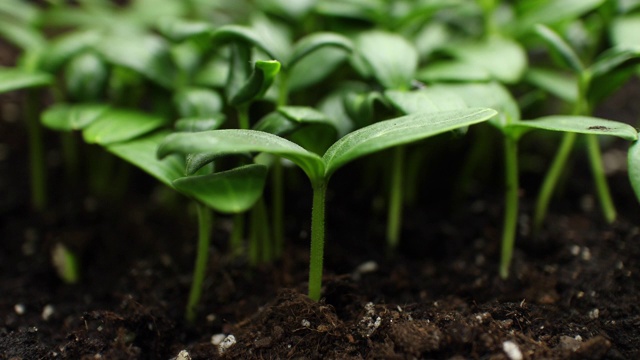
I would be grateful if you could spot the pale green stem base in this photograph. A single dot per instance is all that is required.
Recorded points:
(511, 205)
(394, 215)
(597, 171)
(205, 221)
(317, 240)
(551, 179)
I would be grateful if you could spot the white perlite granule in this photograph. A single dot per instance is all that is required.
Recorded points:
(512, 350)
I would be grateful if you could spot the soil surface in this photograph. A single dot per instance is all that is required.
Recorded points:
(573, 292)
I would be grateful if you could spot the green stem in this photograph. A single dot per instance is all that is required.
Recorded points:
(283, 93)
(511, 204)
(36, 151)
(551, 179)
(277, 206)
(243, 117)
(394, 215)
(597, 170)
(317, 240)
(205, 221)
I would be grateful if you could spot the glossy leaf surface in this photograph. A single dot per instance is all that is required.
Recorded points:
(12, 79)
(243, 141)
(263, 75)
(232, 191)
(314, 42)
(578, 124)
(117, 125)
(196, 124)
(387, 57)
(503, 58)
(561, 48)
(399, 131)
(425, 100)
(67, 117)
(634, 167)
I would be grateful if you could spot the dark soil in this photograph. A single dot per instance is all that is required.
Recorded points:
(573, 292)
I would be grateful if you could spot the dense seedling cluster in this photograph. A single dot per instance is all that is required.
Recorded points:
(212, 98)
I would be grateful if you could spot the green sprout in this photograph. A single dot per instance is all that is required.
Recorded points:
(371, 139)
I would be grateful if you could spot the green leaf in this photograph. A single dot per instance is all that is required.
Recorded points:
(66, 46)
(232, 191)
(551, 12)
(612, 59)
(257, 84)
(198, 102)
(361, 106)
(242, 141)
(235, 33)
(23, 36)
(86, 76)
(179, 30)
(562, 85)
(117, 125)
(399, 131)
(276, 123)
(387, 57)
(304, 115)
(292, 9)
(12, 79)
(634, 167)
(313, 69)
(146, 54)
(425, 100)
(452, 70)
(503, 58)
(625, 30)
(560, 48)
(577, 124)
(492, 95)
(314, 42)
(196, 124)
(141, 152)
(19, 11)
(66, 117)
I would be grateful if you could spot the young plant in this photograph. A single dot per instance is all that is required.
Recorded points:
(593, 83)
(373, 138)
(512, 129)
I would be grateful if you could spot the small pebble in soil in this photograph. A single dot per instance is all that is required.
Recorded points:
(586, 254)
(364, 268)
(512, 350)
(305, 323)
(183, 355)
(217, 339)
(20, 309)
(228, 342)
(594, 314)
(211, 318)
(575, 250)
(47, 312)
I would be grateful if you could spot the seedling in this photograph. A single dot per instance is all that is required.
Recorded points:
(357, 144)
(593, 83)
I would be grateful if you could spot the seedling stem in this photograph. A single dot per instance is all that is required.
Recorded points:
(511, 203)
(394, 215)
(205, 220)
(317, 239)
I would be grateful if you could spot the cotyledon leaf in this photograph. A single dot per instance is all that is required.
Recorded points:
(634, 167)
(257, 84)
(120, 125)
(399, 131)
(314, 42)
(14, 79)
(425, 100)
(235, 141)
(68, 117)
(232, 191)
(141, 152)
(558, 45)
(577, 124)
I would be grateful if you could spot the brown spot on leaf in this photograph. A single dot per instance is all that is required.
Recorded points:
(598, 127)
